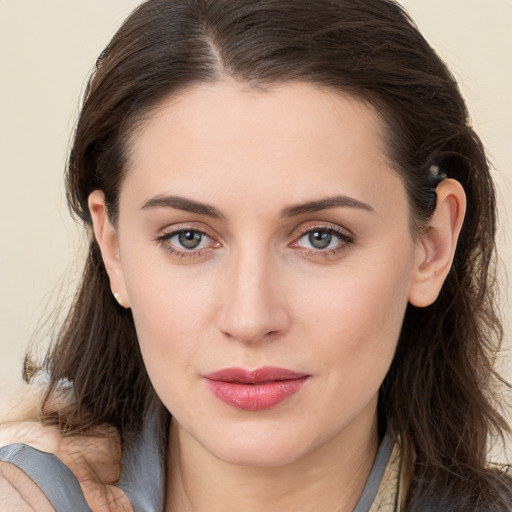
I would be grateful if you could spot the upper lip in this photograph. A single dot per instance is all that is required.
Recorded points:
(257, 376)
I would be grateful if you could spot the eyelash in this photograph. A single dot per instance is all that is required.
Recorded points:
(345, 241)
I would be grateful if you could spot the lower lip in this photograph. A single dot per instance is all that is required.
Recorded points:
(255, 397)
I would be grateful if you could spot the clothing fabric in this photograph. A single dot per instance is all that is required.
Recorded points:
(49, 474)
(142, 477)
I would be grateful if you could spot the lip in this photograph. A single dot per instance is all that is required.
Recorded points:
(255, 390)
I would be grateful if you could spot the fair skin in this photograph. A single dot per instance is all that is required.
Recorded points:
(293, 249)
(259, 290)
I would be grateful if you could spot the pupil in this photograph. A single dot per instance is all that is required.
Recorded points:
(189, 239)
(320, 239)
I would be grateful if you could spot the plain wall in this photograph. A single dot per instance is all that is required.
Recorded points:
(46, 51)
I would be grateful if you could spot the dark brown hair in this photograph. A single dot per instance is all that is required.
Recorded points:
(438, 395)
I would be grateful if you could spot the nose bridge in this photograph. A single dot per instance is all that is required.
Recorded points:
(251, 309)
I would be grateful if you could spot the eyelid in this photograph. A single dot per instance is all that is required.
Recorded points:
(325, 226)
(199, 227)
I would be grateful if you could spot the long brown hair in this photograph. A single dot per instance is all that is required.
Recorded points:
(438, 395)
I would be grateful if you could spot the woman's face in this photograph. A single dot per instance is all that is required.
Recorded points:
(268, 231)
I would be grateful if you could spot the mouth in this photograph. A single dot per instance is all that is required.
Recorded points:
(255, 390)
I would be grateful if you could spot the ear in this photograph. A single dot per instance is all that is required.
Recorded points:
(436, 247)
(108, 241)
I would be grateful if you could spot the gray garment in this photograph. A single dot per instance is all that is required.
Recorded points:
(142, 476)
(375, 477)
(50, 474)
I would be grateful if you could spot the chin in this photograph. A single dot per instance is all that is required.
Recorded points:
(275, 453)
(259, 443)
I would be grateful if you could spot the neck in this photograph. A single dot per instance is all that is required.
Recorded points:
(329, 478)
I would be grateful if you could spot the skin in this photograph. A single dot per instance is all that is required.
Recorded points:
(256, 292)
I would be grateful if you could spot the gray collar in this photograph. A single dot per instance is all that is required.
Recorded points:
(143, 472)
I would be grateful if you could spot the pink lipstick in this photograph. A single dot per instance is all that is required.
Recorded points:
(255, 390)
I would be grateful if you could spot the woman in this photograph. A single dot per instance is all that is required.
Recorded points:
(286, 303)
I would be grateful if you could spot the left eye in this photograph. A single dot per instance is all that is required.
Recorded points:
(189, 240)
(321, 239)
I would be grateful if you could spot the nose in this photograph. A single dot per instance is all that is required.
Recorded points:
(252, 306)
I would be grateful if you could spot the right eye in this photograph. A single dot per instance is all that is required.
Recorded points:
(185, 243)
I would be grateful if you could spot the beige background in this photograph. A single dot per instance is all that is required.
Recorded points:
(46, 51)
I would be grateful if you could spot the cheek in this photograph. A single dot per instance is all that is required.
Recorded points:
(173, 315)
(355, 326)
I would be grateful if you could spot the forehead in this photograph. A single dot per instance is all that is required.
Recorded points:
(294, 138)
(232, 111)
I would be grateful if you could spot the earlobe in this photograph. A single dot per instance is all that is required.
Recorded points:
(107, 239)
(436, 247)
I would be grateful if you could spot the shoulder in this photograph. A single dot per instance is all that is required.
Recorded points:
(502, 475)
(483, 490)
(34, 480)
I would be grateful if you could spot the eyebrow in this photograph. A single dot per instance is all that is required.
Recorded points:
(324, 204)
(189, 205)
(182, 203)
